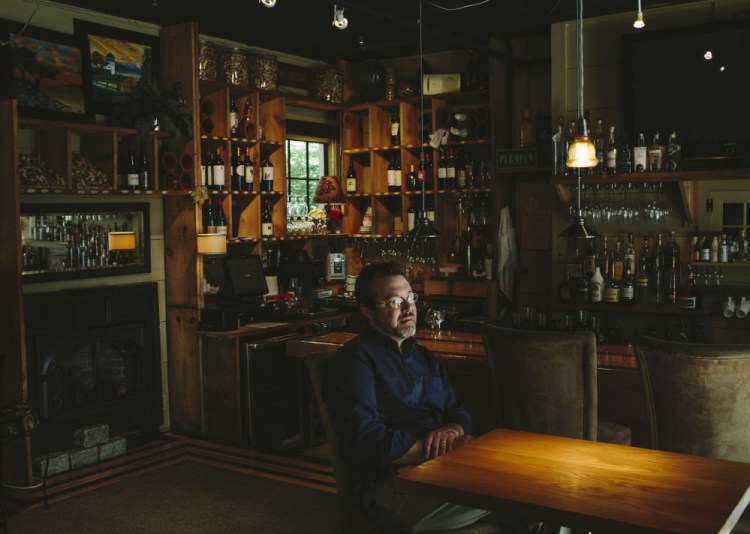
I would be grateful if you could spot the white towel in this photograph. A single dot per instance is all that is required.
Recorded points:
(507, 256)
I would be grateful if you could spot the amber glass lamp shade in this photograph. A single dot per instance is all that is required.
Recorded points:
(212, 244)
(328, 191)
(121, 240)
(582, 153)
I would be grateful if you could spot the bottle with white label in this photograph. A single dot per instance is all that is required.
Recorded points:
(656, 155)
(351, 178)
(640, 157)
(249, 170)
(266, 220)
(217, 170)
(596, 286)
(266, 174)
(132, 178)
(610, 153)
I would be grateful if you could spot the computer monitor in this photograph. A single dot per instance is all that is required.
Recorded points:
(244, 278)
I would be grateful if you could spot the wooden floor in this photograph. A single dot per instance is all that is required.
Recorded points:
(305, 467)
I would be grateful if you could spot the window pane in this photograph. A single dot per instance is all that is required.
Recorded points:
(732, 214)
(317, 160)
(297, 159)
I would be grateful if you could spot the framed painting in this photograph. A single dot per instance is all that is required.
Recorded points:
(43, 71)
(114, 61)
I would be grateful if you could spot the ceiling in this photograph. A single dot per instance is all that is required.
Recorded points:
(387, 28)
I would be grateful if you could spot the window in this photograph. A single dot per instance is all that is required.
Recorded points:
(731, 212)
(305, 164)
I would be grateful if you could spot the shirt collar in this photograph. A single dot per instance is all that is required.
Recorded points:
(380, 337)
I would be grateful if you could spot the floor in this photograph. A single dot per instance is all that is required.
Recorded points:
(309, 467)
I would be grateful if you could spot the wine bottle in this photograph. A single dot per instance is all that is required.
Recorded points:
(429, 212)
(206, 170)
(266, 220)
(144, 171)
(395, 127)
(249, 168)
(217, 171)
(266, 173)
(220, 218)
(233, 117)
(211, 222)
(246, 127)
(610, 153)
(460, 172)
(640, 155)
(412, 179)
(391, 175)
(599, 146)
(132, 178)
(238, 170)
(351, 178)
(442, 173)
(450, 170)
(689, 296)
(411, 216)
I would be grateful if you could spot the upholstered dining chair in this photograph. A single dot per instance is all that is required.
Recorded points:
(545, 382)
(697, 397)
(354, 518)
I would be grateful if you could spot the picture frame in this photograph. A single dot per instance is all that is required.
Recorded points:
(43, 71)
(114, 60)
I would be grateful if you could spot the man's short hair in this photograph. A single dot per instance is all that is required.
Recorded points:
(364, 290)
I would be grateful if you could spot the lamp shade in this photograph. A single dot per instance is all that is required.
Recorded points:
(578, 229)
(328, 191)
(121, 240)
(212, 244)
(582, 153)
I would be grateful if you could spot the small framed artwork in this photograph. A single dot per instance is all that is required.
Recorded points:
(43, 71)
(114, 61)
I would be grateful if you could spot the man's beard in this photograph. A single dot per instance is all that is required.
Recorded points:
(398, 332)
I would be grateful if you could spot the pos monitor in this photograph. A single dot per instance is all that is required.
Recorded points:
(244, 278)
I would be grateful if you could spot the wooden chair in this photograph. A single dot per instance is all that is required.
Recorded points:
(545, 382)
(354, 518)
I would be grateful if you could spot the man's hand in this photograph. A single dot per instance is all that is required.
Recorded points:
(441, 440)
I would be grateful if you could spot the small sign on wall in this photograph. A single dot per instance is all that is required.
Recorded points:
(515, 157)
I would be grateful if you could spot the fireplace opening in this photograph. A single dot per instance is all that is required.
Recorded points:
(93, 358)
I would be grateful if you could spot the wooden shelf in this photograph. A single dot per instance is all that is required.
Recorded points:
(621, 308)
(730, 265)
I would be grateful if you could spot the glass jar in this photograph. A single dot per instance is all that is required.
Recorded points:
(207, 61)
(329, 86)
(234, 66)
(264, 72)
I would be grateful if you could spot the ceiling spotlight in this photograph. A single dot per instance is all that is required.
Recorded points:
(639, 17)
(339, 20)
(708, 55)
(267, 3)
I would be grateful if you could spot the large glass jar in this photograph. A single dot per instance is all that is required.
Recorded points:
(207, 61)
(264, 72)
(234, 66)
(329, 86)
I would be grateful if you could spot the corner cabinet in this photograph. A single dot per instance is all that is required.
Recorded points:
(368, 148)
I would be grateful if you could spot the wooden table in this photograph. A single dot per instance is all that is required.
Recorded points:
(582, 484)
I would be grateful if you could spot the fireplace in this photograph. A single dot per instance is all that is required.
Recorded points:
(93, 357)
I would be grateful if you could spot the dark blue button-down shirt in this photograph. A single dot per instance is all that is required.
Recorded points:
(382, 402)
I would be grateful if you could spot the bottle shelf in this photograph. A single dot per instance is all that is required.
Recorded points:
(731, 264)
(622, 308)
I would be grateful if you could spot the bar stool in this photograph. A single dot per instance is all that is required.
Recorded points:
(17, 421)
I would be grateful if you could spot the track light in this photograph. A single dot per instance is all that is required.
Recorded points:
(639, 17)
(267, 3)
(339, 20)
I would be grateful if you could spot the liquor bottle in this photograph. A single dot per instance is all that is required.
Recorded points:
(144, 171)
(558, 143)
(565, 289)
(412, 179)
(351, 178)
(247, 127)
(656, 276)
(672, 281)
(715, 249)
(266, 220)
(624, 157)
(673, 154)
(656, 155)
(723, 249)
(640, 155)
(429, 211)
(391, 176)
(233, 117)
(581, 291)
(132, 177)
(238, 170)
(596, 286)
(217, 170)
(642, 282)
(617, 263)
(604, 258)
(627, 288)
(610, 153)
(411, 216)
(629, 256)
(450, 170)
(249, 168)
(696, 249)
(221, 220)
(706, 248)
(442, 173)
(526, 129)
(574, 267)
(599, 145)
(395, 127)
(266, 174)
(612, 290)
(689, 296)
(590, 259)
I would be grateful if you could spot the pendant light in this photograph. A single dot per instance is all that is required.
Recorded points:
(639, 23)
(582, 153)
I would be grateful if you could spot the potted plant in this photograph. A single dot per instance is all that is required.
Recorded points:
(147, 108)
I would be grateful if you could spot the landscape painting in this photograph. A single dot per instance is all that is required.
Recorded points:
(114, 62)
(47, 75)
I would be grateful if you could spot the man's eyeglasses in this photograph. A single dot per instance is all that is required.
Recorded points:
(397, 302)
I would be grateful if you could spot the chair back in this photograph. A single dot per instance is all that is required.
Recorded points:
(543, 382)
(697, 397)
(319, 366)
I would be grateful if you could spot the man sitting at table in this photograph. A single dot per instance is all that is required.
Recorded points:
(393, 406)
